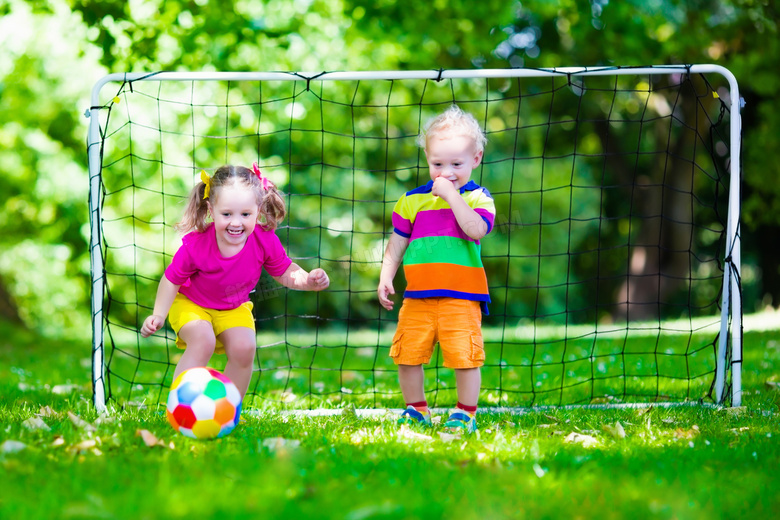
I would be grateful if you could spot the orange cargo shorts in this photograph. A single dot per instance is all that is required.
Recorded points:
(455, 324)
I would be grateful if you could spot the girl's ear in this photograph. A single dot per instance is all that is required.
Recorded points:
(208, 210)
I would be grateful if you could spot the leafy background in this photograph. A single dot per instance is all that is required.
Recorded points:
(54, 51)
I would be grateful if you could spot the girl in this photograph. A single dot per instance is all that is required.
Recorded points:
(205, 290)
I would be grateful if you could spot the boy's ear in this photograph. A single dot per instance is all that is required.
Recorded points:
(477, 159)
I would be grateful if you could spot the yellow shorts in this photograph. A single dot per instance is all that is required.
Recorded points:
(183, 310)
(455, 324)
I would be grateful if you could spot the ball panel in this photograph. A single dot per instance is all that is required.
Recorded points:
(172, 420)
(226, 429)
(215, 389)
(188, 391)
(184, 416)
(224, 411)
(233, 394)
(206, 429)
(203, 407)
(187, 433)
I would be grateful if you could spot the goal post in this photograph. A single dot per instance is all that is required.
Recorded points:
(614, 264)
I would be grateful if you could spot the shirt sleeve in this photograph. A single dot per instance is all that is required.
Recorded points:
(181, 267)
(276, 260)
(402, 223)
(485, 207)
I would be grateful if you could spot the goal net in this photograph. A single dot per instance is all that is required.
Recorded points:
(613, 264)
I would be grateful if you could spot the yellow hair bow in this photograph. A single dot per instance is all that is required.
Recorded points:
(207, 181)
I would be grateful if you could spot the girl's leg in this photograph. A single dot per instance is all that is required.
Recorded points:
(469, 381)
(240, 347)
(411, 381)
(200, 340)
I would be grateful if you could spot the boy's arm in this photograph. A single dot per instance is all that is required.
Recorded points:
(394, 254)
(469, 220)
(166, 292)
(295, 277)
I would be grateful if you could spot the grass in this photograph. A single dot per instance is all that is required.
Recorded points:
(671, 463)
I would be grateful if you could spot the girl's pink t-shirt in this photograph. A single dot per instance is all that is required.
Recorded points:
(215, 282)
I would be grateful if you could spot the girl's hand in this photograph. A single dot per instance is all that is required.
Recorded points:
(151, 325)
(318, 280)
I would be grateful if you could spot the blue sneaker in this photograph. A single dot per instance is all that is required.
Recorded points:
(460, 420)
(412, 416)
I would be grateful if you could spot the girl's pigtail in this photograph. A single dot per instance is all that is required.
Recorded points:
(196, 211)
(272, 208)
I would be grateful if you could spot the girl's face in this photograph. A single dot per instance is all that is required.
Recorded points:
(452, 156)
(235, 216)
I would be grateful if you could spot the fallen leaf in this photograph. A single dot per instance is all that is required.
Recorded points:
(149, 438)
(80, 423)
(578, 438)
(405, 432)
(448, 437)
(46, 411)
(617, 431)
(10, 446)
(681, 433)
(36, 423)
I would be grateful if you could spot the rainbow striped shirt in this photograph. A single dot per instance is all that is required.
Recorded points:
(441, 260)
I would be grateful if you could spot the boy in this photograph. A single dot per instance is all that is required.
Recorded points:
(436, 232)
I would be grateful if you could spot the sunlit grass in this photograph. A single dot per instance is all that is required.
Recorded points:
(61, 460)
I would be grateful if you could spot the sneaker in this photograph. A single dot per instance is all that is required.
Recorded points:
(460, 420)
(412, 416)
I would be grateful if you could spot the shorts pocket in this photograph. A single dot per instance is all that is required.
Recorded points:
(477, 348)
(395, 348)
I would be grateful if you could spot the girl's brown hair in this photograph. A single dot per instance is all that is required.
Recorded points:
(270, 203)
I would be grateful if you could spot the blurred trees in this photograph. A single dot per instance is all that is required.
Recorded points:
(55, 50)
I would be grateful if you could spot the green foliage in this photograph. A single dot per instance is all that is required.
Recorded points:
(55, 50)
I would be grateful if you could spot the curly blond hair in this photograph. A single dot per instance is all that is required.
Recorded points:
(454, 118)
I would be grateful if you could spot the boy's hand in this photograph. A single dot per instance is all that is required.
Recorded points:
(383, 292)
(318, 280)
(151, 325)
(443, 188)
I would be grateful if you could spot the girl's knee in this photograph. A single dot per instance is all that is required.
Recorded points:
(241, 353)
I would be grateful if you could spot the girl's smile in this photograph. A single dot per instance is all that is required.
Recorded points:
(235, 214)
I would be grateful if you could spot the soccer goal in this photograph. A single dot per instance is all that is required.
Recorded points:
(613, 265)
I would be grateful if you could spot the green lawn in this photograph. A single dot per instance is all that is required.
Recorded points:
(59, 460)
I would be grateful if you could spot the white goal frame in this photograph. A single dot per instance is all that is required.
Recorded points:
(731, 309)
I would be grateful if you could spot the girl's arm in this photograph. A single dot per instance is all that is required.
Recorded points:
(166, 292)
(295, 277)
(394, 254)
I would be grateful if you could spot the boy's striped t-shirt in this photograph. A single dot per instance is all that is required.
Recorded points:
(442, 260)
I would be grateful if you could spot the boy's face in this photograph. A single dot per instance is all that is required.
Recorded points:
(452, 156)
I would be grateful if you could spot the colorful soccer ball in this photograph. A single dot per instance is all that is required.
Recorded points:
(203, 404)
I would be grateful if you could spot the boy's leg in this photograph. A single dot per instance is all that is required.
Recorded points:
(463, 417)
(200, 340)
(240, 347)
(469, 381)
(411, 381)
